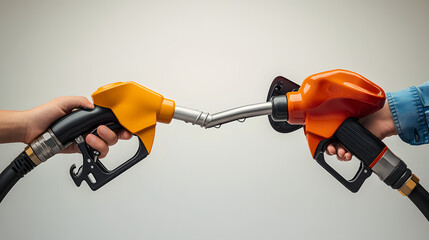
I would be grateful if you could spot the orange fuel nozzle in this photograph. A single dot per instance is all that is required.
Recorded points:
(328, 105)
(137, 108)
(326, 99)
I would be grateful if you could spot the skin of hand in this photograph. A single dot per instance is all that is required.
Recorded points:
(25, 126)
(380, 123)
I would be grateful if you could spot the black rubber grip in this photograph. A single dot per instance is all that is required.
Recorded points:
(80, 122)
(359, 141)
(420, 197)
(20, 166)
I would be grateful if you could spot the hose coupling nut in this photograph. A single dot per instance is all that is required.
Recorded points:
(32, 155)
(46, 146)
(409, 186)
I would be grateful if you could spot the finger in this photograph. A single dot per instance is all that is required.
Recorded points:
(340, 153)
(98, 144)
(330, 150)
(124, 134)
(348, 156)
(67, 104)
(107, 135)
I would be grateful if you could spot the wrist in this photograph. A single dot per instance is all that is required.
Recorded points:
(13, 126)
(386, 126)
(380, 123)
(388, 120)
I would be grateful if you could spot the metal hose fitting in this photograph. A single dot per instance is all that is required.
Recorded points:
(46, 146)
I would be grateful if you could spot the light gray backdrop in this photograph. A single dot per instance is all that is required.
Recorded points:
(242, 181)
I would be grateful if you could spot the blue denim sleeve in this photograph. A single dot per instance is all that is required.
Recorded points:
(410, 111)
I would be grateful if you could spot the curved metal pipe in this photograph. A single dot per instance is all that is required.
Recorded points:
(208, 120)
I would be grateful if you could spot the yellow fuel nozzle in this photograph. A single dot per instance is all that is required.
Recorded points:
(136, 108)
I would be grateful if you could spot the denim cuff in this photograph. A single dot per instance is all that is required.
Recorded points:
(408, 115)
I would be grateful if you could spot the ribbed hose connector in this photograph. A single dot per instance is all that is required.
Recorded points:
(20, 166)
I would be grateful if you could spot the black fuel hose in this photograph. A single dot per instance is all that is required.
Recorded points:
(20, 166)
(420, 197)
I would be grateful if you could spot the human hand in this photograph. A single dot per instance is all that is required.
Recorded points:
(379, 123)
(40, 118)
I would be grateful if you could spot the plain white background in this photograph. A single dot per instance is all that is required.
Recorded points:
(242, 181)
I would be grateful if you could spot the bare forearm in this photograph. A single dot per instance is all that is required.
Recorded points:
(12, 126)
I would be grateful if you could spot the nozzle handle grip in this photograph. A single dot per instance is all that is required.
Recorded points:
(84, 121)
(361, 143)
(81, 122)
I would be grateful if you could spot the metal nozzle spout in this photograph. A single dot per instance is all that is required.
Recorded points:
(208, 120)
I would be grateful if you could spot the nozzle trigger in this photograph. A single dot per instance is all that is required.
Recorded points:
(94, 172)
(353, 184)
